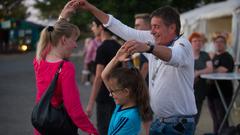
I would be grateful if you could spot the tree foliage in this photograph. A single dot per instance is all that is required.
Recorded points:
(13, 9)
(50, 8)
(122, 9)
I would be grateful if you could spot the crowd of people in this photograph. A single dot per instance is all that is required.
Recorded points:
(163, 91)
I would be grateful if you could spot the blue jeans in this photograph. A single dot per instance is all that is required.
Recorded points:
(175, 127)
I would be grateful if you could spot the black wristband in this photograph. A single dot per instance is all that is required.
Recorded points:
(151, 48)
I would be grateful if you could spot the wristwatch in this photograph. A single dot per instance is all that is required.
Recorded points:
(151, 47)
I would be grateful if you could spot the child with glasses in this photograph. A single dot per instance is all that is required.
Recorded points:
(130, 93)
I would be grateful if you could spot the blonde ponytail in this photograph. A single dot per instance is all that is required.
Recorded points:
(51, 35)
(43, 45)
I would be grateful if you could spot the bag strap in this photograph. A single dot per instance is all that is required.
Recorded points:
(59, 68)
(46, 98)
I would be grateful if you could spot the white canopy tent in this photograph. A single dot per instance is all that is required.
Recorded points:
(215, 17)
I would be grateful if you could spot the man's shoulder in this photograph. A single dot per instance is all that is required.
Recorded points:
(183, 41)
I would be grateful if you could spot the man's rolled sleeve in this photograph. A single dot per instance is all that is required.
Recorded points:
(180, 56)
(127, 33)
(109, 21)
(174, 61)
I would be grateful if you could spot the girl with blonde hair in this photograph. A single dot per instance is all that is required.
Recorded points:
(55, 45)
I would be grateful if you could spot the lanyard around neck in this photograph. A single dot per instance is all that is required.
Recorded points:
(172, 41)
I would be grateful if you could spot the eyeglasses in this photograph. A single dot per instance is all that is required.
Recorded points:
(115, 91)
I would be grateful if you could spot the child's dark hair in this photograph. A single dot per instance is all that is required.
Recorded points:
(133, 80)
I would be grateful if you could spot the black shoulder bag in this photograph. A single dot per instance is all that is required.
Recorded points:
(49, 120)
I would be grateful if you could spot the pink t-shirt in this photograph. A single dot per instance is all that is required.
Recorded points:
(66, 91)
(91, 51)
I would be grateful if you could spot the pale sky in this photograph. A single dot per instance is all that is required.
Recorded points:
(34, 17)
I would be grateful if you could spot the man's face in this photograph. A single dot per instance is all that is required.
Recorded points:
(95, 29)
(162, 33)
(140, 24)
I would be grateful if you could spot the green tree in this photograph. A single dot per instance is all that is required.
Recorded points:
(50, 8)
(125, 9)
(13, 9)
(121, 9)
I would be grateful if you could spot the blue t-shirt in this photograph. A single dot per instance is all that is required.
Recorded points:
(125, 121)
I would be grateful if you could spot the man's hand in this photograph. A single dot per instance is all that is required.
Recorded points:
(85, 5)
(122, 54)
(134, 46)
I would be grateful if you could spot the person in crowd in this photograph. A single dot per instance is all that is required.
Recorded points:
(56, 43)
(209, 46)
(99, 93)
(90, 57)
(86, 76)
(130, 95)
(142, 22)
(202, 65)
(171, 67)
(222, 63)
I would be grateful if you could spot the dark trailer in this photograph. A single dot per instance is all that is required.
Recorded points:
(18, 35)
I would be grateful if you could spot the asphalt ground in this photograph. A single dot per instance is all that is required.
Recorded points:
(17, 94)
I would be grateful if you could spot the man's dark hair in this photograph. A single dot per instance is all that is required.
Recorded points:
(169, 16)
(99, 23)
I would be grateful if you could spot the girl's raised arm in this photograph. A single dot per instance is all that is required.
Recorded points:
(119, 57)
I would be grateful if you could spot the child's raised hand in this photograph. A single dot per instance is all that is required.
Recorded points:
(122, 54)
(133, 46)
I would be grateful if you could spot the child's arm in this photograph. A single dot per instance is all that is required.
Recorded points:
(146, 126)
(108, 69)
(119, 57)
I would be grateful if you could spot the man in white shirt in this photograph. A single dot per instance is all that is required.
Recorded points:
(171, 67)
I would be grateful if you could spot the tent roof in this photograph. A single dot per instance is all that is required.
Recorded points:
(214, 10)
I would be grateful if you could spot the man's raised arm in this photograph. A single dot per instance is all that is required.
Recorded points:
(114, 25)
